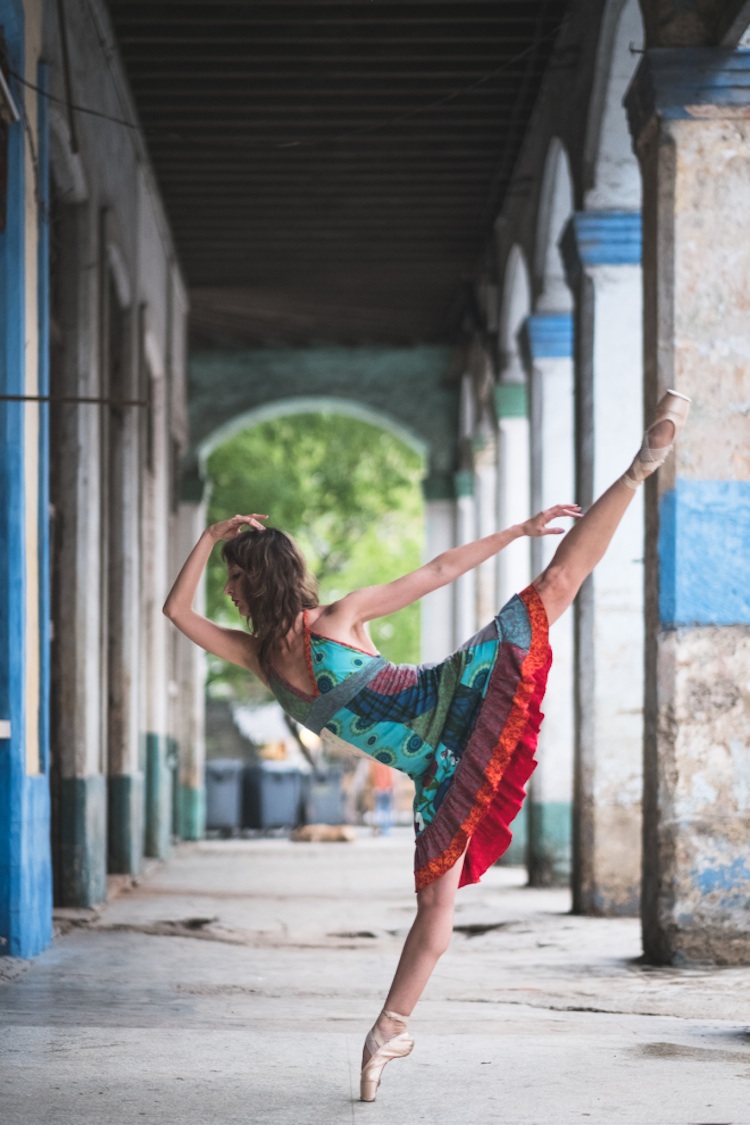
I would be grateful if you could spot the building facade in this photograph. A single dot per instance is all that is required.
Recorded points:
(617, 266)
(98, 697)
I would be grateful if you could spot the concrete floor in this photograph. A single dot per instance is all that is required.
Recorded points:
(235, 984)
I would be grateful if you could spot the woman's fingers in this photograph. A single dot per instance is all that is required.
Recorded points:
(251, 520)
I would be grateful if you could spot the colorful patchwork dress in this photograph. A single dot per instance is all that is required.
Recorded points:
(464, 730)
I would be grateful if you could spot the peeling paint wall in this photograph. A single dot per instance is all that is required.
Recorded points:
(690, 113)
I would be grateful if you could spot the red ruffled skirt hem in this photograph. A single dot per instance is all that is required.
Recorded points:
(483, 831)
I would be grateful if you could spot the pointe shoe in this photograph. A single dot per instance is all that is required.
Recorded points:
(381, 1052)
(673, 407)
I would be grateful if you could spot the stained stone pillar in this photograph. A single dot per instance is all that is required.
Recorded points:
(602, 251)
(80, 826)
(689, 113)
(548, 353)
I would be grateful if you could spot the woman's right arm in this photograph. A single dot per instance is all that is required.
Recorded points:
(233, 645)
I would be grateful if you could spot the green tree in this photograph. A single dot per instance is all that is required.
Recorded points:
(348, 492)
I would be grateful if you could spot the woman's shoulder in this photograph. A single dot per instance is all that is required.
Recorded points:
(333, 622)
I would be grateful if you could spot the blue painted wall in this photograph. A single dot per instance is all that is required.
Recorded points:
(25, 870)
(704, 554)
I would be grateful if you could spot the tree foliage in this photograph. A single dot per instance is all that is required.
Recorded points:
(348, 492)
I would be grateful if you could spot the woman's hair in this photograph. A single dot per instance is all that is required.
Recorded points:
(276, 584)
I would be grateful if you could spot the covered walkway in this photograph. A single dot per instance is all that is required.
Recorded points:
(236, 982)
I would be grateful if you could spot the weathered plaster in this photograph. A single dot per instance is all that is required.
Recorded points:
(695, 155)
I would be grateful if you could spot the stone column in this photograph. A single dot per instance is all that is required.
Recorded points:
(548, 351)
(125, 781)
(465, 603)
(440, 535)
(485, 471)
(514, 505)
(514, 489)
(602, 257)
(190, 678)
(689, 112)
(126, 784)
(81, 823)
(155, 582)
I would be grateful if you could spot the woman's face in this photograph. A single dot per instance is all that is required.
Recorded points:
(233, 589)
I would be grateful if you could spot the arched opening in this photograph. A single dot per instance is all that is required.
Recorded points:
(343, 483)
(347, 487)
(613, 179)
(318, 404)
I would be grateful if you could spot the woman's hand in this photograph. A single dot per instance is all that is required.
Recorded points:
(230, 529)
(537, 525)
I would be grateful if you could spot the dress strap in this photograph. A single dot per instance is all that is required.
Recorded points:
(308, 651)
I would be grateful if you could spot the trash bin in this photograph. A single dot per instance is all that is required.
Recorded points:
(224, 794)
(324, 798)
(272, 796)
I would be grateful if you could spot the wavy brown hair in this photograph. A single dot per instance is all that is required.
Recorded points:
(276, 583)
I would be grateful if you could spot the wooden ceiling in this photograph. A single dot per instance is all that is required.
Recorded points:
(331, 169)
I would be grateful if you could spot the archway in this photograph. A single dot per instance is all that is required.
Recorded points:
(345, 483)
(412, 390)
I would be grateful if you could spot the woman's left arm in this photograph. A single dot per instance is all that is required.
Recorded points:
(377, 601)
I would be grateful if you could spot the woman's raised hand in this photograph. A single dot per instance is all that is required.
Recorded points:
(537, 525)
(230, 529)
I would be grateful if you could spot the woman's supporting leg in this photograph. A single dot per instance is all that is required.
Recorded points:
(427, 940)
(585, 544)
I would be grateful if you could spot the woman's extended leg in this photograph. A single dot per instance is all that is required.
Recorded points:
(584, 545)
(427, 940)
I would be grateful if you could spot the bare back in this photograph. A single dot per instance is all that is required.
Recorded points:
(291, 659)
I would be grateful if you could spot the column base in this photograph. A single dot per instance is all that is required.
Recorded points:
(192, 813)
(158, 797)
(83, 832)
(550, 843)
(126, 826)
(25, 871)
(517, 853)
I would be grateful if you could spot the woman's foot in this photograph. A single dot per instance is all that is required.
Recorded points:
(671, 415)
(385, 1041)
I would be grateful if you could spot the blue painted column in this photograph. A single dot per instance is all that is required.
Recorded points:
(547, 349)
(25, 870)
(602, 255)
(689, 113)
